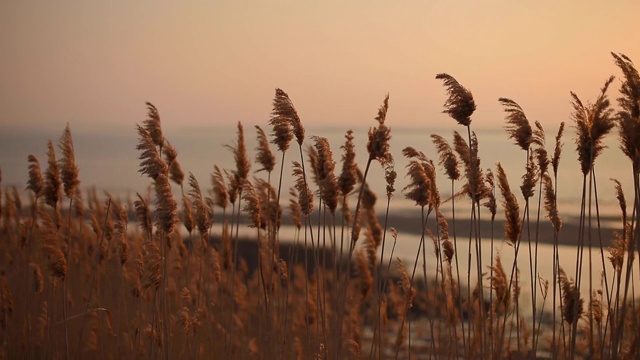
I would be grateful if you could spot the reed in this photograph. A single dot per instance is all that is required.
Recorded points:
(159, 276)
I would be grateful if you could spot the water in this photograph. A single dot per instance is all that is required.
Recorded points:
(108, 159)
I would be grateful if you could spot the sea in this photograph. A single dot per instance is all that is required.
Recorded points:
(108, 160)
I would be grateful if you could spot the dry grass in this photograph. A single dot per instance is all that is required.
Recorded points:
(128, 278)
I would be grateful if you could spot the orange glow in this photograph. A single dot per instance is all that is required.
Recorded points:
(91, 63)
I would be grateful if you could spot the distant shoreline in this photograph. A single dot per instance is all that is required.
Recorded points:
(405, 223)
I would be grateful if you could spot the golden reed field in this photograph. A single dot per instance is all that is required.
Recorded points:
(166, 274)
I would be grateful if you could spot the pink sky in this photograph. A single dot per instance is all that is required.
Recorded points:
(94, 63)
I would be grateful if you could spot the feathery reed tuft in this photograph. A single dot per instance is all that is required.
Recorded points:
(621, 200)
(252, 205)
(35, 182)
(448, 160)
(52, 184)
(69, 170)
(460, 104)
(202, 219)
(152, 266)
(120, 232)
(52, 247)
(555, 161)
(187, 215)
(619, 247)
(143, 213)
(285, 120)
(572, 303)
(491, 197)
(500, 284)
(390, 176)
(550, 202)
(628, 116)
(151, 163)
(152, 125)
(295, 209)
(305, 196)
(243, 165)
(530, 178)
(593, 122)
(347, 179)
(219, 188)
(166, 207)
(364, 274)
(171, 157)
(378, 144)
(513, 222)
(518, 126)
(264, 156)
(325, 173)
(419, 188)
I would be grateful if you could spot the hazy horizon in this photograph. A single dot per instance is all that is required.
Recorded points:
(93, 65)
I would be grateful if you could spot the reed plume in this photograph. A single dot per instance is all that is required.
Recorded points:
(69, 170)
(628, 116)
(171, 158)
(187, 215)
(365, 282)
(243, 165)
(305, 196)
(234, 186)
(220, 192)
(555, 160)
(325, 167)
(571, 301)
(529, 179)
(491, 198)
(621, 199)
(550, 203)
(500, 285)
(312, 154)
(285, 120)
(593, 122)
(294, 209)
(120, 232)
(152, 266)
(151, 163)
(378, 144)
(202, 219)
(264, 156)
(152, 125)
(518, 126)
(418, 189)
(390, 177)
(460, 104)
(621, 243)
(166, 207)
(448, 159)
(513, 222)
(252, 205)
(143, 214)
(347, 179)
(35, 182)
(52, 247)
(269, 206)
(52, 183)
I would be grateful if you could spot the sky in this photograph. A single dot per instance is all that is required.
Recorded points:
(93, 64)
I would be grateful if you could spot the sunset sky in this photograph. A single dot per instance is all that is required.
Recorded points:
(94, 63)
